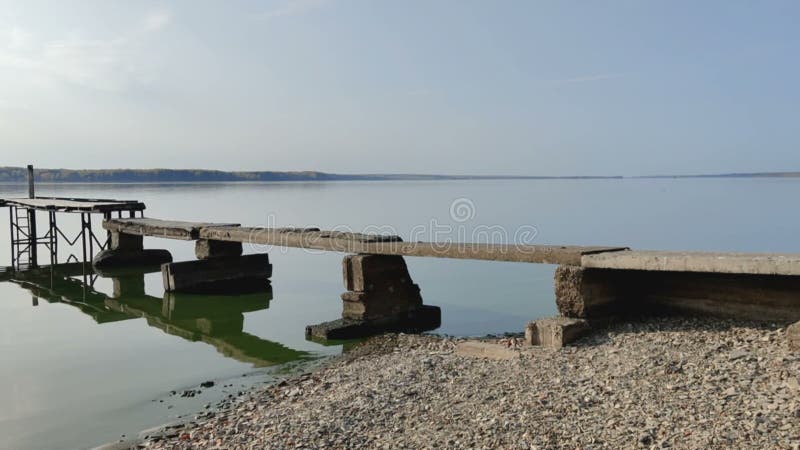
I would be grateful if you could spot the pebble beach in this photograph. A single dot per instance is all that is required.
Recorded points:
(692, 383)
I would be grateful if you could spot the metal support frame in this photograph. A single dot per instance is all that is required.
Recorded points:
(24, 241)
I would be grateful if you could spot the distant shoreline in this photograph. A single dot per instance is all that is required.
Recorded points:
(12, 175)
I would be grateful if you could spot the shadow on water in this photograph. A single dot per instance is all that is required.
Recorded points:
(217, 320)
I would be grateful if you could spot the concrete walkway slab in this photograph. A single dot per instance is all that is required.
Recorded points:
(709, 262)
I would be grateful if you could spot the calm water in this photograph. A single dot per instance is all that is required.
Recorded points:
(81, 365)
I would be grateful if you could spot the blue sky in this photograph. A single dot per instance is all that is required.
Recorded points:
(541, 88)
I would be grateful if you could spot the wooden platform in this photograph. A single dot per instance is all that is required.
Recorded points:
(312, 238)
(83, 205)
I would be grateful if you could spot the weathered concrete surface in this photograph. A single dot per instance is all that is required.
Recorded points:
(598, 293)
(424, 318)
(313, 238)
(360, 305)
(172, 229)
(126, 242)
(707, 262)
(110, 259)
(555, 332)
(393, 245)
(204, 248)
(249, 273)
(793, 336)
(478, 349)
(586, 293)
(368, 273)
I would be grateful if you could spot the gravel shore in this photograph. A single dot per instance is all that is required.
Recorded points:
(655, 383)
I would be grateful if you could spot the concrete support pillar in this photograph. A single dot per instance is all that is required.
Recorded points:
(127, 250)
(378, 287)
(206, 248)
(381, 296)
(126, 242)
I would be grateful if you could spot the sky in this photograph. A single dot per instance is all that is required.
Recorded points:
(350, 86)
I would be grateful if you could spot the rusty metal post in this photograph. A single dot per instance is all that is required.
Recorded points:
(33, 235)
(30, 181)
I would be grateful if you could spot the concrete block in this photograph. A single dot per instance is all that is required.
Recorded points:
(206, 248)
(370, 305)
(366, 273)
(793, 336)
(236, 274)
(126, 242)
(378, 287)
(555, 332)
(110, 259)
(425, 318)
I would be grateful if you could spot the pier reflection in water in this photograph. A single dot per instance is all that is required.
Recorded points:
(216, 320)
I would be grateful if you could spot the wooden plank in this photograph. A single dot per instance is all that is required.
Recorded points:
(172, 229)
(710, 262)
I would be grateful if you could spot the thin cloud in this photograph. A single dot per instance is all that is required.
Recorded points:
(108, 65)
(19, 39)
(157, 20)
(292, 8)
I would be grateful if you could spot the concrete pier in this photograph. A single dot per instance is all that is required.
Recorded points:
(591, 282)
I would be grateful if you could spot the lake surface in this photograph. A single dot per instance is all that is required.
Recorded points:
(84, 365)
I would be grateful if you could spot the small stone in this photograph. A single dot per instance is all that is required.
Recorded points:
(737, 354)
